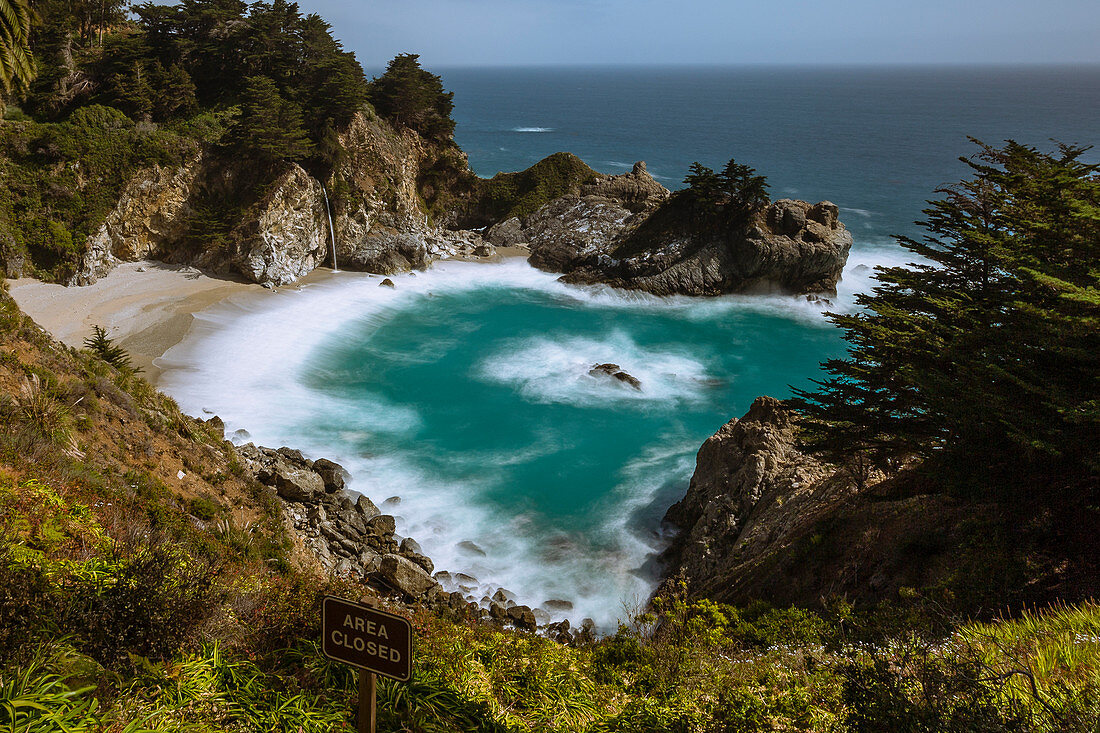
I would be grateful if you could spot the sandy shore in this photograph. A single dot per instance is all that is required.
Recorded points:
(146, 307)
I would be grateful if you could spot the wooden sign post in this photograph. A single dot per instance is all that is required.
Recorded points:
(374, 641)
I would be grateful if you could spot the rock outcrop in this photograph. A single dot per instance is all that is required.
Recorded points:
(151, 214)
(378, 214)
(791, 246)
(762, 520)
(286, 236)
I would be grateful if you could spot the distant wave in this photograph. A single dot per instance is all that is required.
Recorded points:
(858, 212)
(532, 129)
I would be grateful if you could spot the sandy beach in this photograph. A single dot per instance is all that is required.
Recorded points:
(146, 307)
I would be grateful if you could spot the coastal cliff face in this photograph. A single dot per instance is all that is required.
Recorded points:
(763, 521)
(151, 214)
(791, 246)
(378, 214)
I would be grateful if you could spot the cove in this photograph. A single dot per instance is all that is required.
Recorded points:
(461, 402)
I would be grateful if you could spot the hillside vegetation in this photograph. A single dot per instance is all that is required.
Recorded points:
(147, 584)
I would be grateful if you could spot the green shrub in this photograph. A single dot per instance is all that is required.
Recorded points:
(148, 602)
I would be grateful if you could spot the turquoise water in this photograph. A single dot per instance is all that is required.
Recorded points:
(461, 400)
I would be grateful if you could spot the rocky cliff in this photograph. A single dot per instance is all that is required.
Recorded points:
(762, 520)
(278, 228)
(593, 237)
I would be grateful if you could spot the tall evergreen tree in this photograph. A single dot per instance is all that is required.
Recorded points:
(270, 126)
(414, 98)
(986, 356)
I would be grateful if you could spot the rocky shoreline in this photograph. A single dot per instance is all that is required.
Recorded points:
(352, 538)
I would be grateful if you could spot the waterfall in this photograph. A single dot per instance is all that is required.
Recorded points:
(331, 229)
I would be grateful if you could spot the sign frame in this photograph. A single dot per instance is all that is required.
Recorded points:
(367, 611)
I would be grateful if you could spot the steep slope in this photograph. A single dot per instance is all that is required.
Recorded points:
(763, 521)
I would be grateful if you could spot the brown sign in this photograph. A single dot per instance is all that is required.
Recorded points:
(367, 638)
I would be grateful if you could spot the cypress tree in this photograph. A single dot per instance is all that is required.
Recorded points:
(984, 357)
(270, 126)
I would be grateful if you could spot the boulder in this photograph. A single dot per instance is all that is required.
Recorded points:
(522, 617)
(613, 371)
(557, 606)
(333, 474)
(383, 525)
(507, 233)
(404, 576)
(366, 508)
(297, 484)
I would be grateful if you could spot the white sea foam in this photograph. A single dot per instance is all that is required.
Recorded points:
(549, 370)
(532, 129)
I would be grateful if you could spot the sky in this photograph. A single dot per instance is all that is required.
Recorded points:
(876, 32)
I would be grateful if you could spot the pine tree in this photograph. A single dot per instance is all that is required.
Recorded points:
(414, 98)
(986, 357)
(270, 126)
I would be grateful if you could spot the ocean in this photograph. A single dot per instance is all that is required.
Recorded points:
(461, 401)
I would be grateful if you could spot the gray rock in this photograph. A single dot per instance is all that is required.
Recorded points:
(366, 508)
(613, 371)
(789, 246)
(556, 605)
(405, 576)
(297, 484)
(422, 560)
(409, 545)
(522, 617)
(471, 548)
(507, 233)
(382, 525)
(333, 474)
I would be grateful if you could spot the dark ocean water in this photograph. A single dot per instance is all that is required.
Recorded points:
(876, 142)
(465, 392)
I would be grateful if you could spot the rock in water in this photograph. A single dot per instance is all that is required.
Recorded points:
(612, 370)
(596, 236)
(387, 283)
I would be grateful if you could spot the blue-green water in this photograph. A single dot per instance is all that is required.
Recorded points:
(463, 396)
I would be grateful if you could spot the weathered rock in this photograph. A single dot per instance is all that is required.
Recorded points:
(471, 548)
(288, 238)
(297, 484)
(613, 371)
(151, 214)
(382, 525)
(497, 611)
(420, 559)
(790, 246)
(333, 474)
(405, 576)
(387, 283)
(522, 617)
(556, 605)
(366, 508)
(508, 233)
(409, 545)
